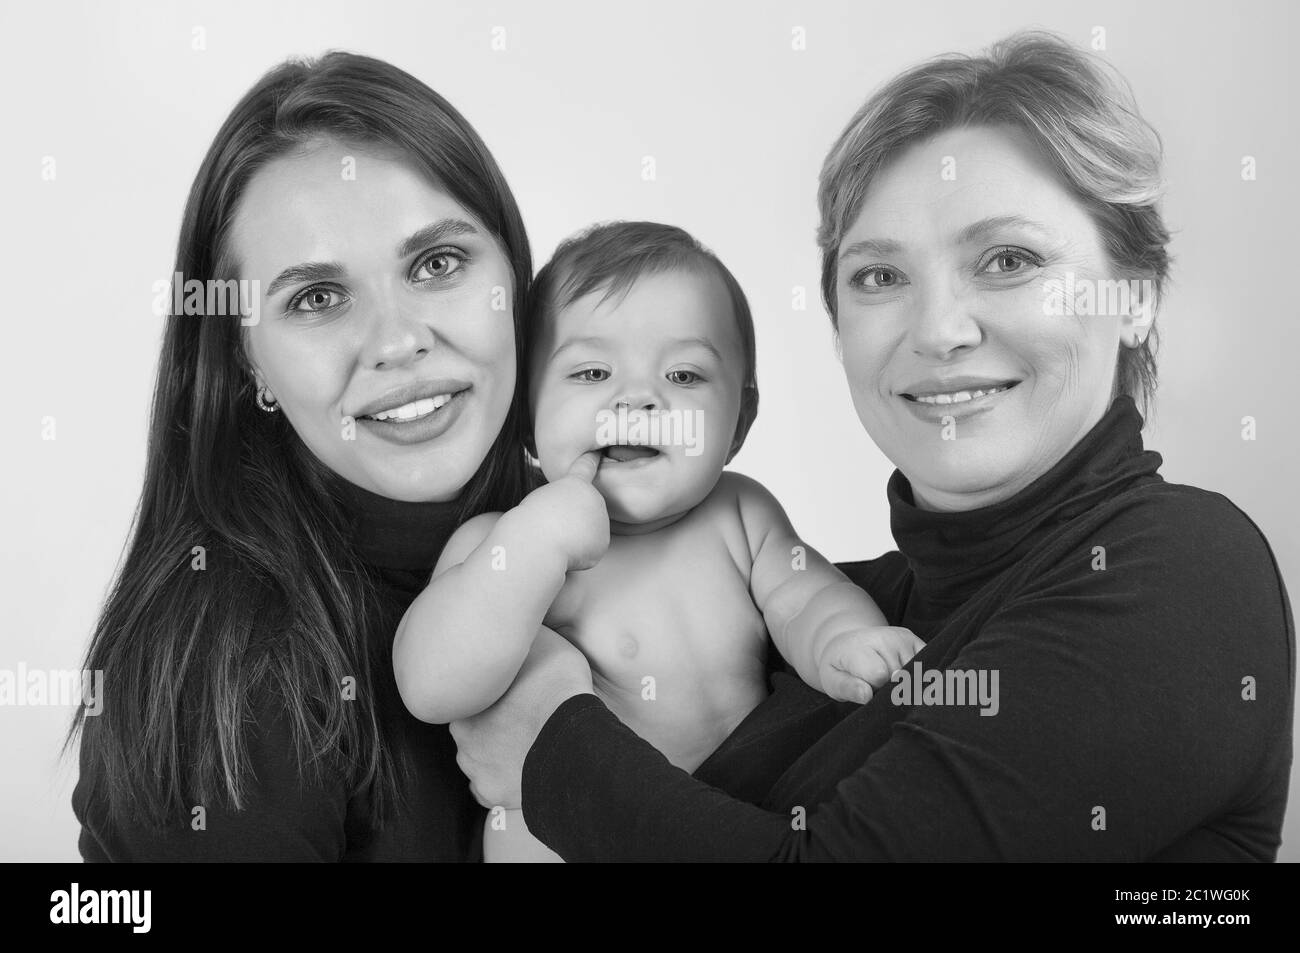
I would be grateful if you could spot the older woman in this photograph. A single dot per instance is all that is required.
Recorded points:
(1110, 659)
(311, 451)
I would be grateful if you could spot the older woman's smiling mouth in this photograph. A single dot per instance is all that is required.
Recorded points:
(957, 390)
(939, 401)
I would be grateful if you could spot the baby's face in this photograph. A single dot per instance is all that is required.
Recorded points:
(670, 355)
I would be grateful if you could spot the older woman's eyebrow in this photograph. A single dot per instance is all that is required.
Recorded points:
(985, 227)
(307, 271)
(433, 234)
(974, 232)
(872, 246)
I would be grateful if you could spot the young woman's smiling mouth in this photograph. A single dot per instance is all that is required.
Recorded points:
(416, 412)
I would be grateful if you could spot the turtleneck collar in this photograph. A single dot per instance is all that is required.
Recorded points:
(952, 554)
(392, 534)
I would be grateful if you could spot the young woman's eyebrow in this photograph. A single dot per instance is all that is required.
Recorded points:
(433, 234)
(307, 271)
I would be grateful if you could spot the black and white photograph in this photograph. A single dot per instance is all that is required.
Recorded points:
(688, 432)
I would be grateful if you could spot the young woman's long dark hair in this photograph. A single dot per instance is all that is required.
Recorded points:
(174, 641)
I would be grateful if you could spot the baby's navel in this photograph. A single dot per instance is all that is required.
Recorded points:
(628, 647)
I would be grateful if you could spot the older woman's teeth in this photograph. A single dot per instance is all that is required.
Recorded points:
(960, 397)
(416, 408)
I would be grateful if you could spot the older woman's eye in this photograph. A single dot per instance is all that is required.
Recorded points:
(316, 299)
(1010, 261)
(878, 278)
(440, 264)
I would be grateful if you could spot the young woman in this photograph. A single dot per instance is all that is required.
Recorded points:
(309, 453)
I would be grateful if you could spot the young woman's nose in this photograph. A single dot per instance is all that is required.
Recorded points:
(395, 338)
(942, 325)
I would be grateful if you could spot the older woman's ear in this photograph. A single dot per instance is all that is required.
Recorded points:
(1138, 318)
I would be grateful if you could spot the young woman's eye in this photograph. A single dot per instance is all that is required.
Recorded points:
(684, 378)
(1009, 261)
(439, 264)
(591, 375)
(879, 278)
(316, 299)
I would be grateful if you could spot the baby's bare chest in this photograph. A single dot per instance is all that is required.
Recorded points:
(671, 603)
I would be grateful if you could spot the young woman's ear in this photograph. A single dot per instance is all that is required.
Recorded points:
(263, 396)
(245, 361)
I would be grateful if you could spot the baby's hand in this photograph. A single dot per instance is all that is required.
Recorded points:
(854, 665)
(572, 513)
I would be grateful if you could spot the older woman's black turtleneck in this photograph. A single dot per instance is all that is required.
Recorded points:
(1144, 648)
(287, 818)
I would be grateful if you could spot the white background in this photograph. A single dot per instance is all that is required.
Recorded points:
(737, 122)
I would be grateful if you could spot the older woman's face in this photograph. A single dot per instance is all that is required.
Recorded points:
(386, 332)
(947, 287)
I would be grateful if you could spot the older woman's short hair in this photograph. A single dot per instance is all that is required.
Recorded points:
(1081, 115)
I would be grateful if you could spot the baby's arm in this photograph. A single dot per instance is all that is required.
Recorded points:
(826, 627)
(463, 639)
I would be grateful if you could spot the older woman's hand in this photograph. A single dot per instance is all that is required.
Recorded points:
(493, 744)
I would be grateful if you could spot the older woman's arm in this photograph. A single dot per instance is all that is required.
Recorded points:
(1135, 706)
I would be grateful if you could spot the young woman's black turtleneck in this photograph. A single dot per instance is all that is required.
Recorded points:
(1144, 648)
(289, 819)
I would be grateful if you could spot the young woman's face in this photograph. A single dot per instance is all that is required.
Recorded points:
(386, 334)
(948, 283)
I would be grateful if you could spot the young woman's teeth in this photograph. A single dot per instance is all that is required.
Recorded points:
(960, 397)
(416, 408)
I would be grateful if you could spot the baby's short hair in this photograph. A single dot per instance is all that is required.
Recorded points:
(611, 256)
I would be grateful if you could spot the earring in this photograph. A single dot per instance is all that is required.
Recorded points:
(270, 406)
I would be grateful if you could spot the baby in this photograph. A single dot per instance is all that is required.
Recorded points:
(665, 570)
